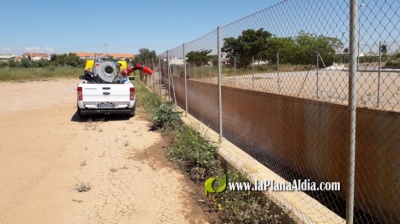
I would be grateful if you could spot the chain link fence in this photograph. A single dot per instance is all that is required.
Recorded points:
(311, 89)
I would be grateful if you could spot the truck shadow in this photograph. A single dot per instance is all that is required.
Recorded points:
(101, 117)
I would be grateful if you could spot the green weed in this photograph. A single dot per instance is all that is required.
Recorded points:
(194, 154)
(83, 187)
(243, 206)
(166, 116)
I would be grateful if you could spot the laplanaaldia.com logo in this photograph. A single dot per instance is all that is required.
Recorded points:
(266, 185)
(209, 187)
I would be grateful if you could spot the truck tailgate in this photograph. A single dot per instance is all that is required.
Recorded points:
(106, 95)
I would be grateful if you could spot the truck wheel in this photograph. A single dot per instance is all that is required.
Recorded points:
(79, 111)
(132, 113)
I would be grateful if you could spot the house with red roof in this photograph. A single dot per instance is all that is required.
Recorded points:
(36, 56)
(118, 56)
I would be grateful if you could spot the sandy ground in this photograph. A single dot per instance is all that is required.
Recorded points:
(46, 152)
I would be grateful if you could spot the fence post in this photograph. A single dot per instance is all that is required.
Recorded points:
(194, 68)
(379, 74)
(143, 76)
(352, 106)
(210, 72)
(219, 83)
(184, 65)
(169, 78)
(159, 74)
(277, 63)
(317, 75)
(252, 67)
(234, 69)
(152, 67)
(202, 70)
(173, 87)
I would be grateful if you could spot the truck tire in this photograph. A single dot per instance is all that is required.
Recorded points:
(80, 115)
(132, 113)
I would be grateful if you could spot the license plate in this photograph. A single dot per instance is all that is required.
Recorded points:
(105, 105)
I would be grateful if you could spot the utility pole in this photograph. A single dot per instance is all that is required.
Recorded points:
(106, 45)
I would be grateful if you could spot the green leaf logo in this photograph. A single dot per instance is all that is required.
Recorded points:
(208, 185)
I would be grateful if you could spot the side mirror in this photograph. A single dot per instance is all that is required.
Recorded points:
(82, 77)
(131, 78)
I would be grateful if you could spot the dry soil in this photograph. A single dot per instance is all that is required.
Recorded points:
(47, 153)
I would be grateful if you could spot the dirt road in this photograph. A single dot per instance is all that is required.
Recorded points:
(46, 153)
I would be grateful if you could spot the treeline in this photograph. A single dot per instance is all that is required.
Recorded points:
(260, 45)
(263, 49)
(55, 60)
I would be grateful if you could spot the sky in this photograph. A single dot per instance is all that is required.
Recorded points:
(124, 26)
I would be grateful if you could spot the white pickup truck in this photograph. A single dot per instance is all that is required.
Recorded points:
(106, 89)
(106, 98)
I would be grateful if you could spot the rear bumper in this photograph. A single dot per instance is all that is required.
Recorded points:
(92, 105)
(105, 111)
(90, 108)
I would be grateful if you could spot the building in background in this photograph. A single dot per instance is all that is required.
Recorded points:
(36, 56)
(7, 57)
(118, 56)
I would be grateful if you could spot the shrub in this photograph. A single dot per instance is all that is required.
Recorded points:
(26, 63)
(194, 154)
(166, 116)
(12, 64)
(3, 64)
(394, 61)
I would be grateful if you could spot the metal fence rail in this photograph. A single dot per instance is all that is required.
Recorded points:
(316, 98)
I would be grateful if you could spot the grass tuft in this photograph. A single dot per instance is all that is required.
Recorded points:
(83, 187)
(113, 170)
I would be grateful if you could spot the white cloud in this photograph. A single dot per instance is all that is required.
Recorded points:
(40, 49)
(20, 51)
(49, 50)
(7, 49)
(32, 49)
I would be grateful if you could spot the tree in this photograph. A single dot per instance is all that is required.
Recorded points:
(144, 54)
(41, 63)
(26, 63)
(383, 48)
(285, 46)
(53, 57)
(64, 59)
(214, 60)
(308, 45)
(72, 60)
(251, 43)
(199, 57)
(12, 64)
(3, 64)
(58, 59)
